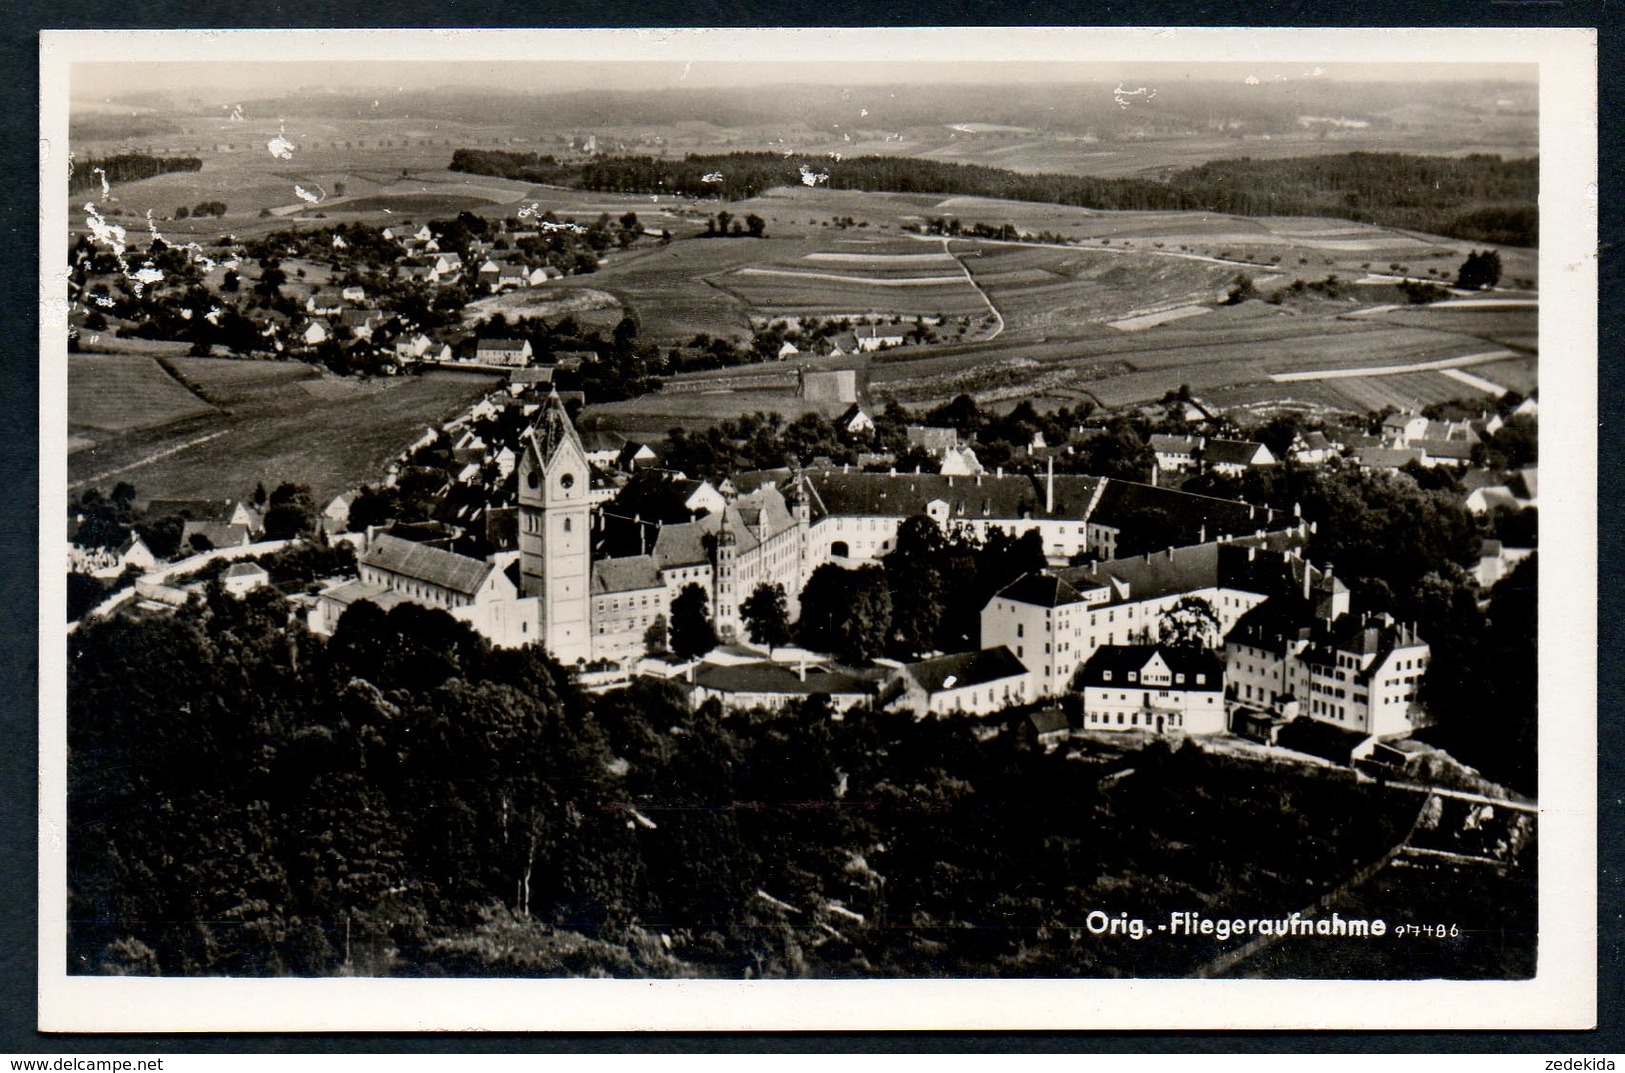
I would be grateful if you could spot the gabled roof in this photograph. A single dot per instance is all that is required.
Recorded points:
(1320, 739)
(630, 573)
(1232, 452)
(219, 534)
(965, 669)
(353, 592)
(245, 570)
(1163, 443)
(433, 566)
(1041, 590)
(503, 345)
(1119, 660)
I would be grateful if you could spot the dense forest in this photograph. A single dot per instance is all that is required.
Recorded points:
(1479, 198)
(126, 168)
(247, 799)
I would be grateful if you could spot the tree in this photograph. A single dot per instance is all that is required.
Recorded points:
(1480, 271)
(692, 632)
(755, 226)
(847, 612)
(915, 572)
(1191, 622)
(1241, 290)
(767, 616)
(654, 638)
(292, 512)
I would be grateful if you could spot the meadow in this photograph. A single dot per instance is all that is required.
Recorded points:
(284, 422)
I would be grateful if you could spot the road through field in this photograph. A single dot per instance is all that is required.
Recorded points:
(998, 326)
(1391, 370)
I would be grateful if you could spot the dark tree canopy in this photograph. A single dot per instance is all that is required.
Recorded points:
(766, 612)
(692, 633)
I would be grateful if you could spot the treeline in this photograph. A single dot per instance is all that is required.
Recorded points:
(126, 168)
(1480, 198)
(525, 167)
(247, 799)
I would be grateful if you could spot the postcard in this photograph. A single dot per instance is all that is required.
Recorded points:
(971, 528)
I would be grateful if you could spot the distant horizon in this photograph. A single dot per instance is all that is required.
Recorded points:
(109, 82)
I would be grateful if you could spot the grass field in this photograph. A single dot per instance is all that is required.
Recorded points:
(114, 394)
(330, 434)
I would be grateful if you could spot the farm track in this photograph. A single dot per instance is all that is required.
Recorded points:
(998, 326)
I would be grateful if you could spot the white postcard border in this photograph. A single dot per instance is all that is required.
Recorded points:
(1563, 992)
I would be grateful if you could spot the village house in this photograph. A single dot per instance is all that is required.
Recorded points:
(872, 337)
(855, 421)
(935, 442)
(238, 579)
(324, 303)
(1232, 458)
(1155, 688)
(503, 352)
(1175, 454)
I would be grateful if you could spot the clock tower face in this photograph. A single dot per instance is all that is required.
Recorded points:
(567, 481)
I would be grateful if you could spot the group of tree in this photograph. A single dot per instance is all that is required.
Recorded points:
(726, 225)
(202, 208)
(247, 799)
(1477, 197)
(125, 168)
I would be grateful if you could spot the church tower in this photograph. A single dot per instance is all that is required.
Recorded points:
(555, 546)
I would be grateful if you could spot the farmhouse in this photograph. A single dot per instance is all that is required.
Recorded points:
(1175, 453)
(1153, 687)
(872, 337)
(503, 351)
(204, 535)
(1232, 458)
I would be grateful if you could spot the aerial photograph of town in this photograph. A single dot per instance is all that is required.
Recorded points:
(833, 521)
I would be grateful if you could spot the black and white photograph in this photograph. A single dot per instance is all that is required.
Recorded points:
(850, 528)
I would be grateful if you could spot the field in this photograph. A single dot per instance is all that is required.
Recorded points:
(271, 422)
(108, 394)
(1127, 306)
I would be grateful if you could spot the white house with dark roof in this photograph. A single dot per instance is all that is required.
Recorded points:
(1232, 458)
(774, 686)
(503, 351)
(965, 683)
(1174, 454)
(872, 337)
(239, 579)
(1155, 688)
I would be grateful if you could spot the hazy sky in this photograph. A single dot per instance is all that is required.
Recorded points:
(96, 81)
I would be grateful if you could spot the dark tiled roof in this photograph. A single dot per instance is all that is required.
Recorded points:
(965, 669)
(1041, 590)
(1120, 660)
(419, 562)
(1230, 452)
(627, 574)
(1163, 443)
(766, 677)
(245, 570)
(353, 592)
(1200, 517)
(502, 344)
(1008, 498)
(219, 534)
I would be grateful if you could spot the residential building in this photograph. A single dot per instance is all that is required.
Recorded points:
(1156, 688)
(239, 579)
(965, 683)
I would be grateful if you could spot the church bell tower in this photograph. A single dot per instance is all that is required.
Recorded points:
(555, 546)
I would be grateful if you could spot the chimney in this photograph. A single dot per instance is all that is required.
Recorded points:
(999, 471)
(801, 668)
(1049, 485)
(979, 479)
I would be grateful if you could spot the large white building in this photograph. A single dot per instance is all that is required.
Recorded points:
(1055, 623)
(1296, 657)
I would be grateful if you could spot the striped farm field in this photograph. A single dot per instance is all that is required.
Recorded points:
(120, 393)
(1408, 391)
(1517, 374)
